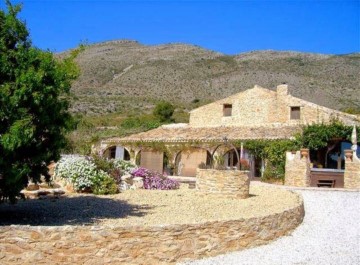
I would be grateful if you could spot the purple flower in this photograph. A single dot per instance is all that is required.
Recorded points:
(154, 180)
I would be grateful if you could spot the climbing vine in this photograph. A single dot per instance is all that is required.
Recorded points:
(317, 136)
(273, 151)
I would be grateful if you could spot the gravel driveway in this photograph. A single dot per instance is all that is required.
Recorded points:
(329, 234)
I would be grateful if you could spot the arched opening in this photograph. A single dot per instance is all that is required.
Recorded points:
(167, 169)
(231, 159)
(187, 161)
(153, 160)
(117, 152)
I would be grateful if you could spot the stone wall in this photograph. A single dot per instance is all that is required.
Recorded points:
(352, 172)
(297, 169)
(229, 183)
(263, 107)
(141, 245)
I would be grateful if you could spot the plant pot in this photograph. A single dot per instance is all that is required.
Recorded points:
(348, 154)
(304, 152)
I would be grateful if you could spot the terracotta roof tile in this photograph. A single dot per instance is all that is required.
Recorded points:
(208, 134)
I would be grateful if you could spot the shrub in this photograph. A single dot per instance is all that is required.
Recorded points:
(79, 171)
(125, 167)
(155, 181)
(143, 122)
(104, 184)
(84, 175)
(244, 164)
(164, 111)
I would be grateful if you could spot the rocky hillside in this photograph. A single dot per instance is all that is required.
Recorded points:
(126, 76)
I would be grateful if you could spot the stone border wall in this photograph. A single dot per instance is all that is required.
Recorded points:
(229, 183)
(141, 245)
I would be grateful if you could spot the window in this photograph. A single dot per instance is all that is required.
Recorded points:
(227, 110)
(295, 113)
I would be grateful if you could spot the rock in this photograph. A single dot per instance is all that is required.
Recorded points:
(32, 186)
(124, 185)
(51, 185)
(138, 182)
(57, 191)
(128, 179)
(29, 194)
(125, 177)
(43, 192)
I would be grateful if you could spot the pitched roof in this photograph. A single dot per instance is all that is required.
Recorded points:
(209, 134)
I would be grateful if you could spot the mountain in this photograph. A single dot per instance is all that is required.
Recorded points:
(128, 77)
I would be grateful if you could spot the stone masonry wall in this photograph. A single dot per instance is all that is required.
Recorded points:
(263, 107)
(297, 170)
(141, 245)
(229, 183)
(352, 173)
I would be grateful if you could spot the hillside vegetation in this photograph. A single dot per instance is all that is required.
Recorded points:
(127, 77)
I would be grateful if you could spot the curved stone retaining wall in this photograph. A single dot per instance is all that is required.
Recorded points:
(229, 183)
(141, 245)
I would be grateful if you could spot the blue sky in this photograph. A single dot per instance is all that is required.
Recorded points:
(230, 27)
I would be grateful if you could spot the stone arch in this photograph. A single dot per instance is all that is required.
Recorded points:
(114, 151)
(188, 160)
(154, 160)
(231, 160)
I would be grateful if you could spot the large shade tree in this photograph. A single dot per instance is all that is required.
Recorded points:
(34, 90)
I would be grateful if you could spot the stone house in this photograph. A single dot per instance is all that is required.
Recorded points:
(256, 113)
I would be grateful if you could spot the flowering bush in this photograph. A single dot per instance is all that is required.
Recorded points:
(142, 172)
(155, 181)
(76, 170)
(125, 167)
(83, 174)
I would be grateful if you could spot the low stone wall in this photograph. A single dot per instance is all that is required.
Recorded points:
(229, 183)
(141, 245)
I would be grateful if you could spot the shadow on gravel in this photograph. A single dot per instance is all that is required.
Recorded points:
(81, 210)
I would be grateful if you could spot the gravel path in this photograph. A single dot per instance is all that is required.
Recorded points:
(145, 208)
(330, 234)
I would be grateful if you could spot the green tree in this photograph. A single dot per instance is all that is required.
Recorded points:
(164, 111)
(34, 91)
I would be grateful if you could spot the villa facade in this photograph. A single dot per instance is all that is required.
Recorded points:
(256, 113)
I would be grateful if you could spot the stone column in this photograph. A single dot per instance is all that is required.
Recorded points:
(297, 168)
(352, 170)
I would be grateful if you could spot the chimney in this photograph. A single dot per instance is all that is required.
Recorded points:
(282, 89)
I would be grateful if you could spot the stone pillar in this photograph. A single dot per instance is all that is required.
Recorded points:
(297, 168)
(352, 170)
